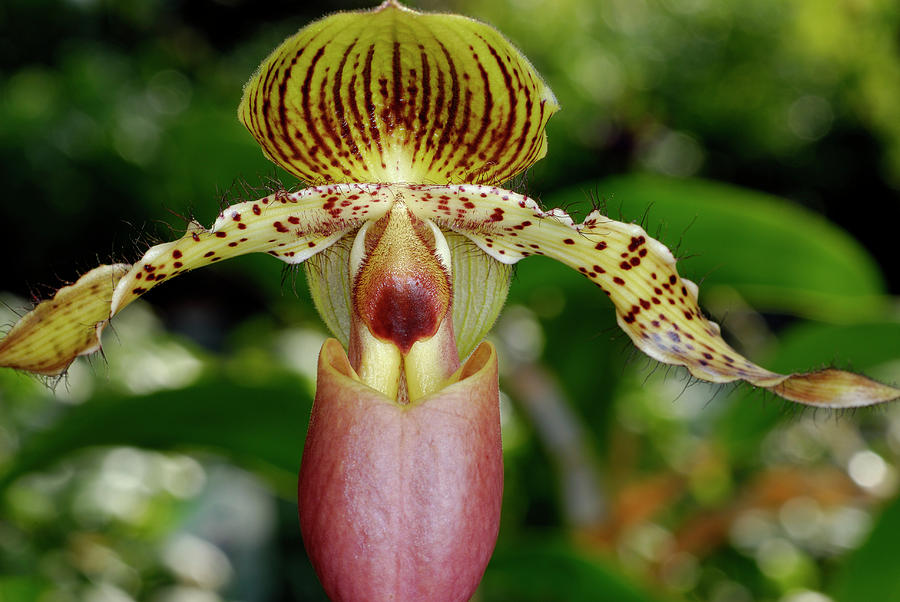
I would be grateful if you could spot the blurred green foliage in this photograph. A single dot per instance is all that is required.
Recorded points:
(164, 470)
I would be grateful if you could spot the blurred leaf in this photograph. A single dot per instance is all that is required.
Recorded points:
(548, 571)
(21, 589)
(806, 346)
(261, 425)
(871, 573)
(778, 255)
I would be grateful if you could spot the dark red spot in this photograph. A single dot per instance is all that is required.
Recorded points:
(236, 217)
(138, 291)
(280, 227)
(177, 264)
(635, 261)
(600, 246)
(209, 254)
(294, 219)
(707, 355)
(221, 234)
(618, 281)
(625, 265)
(176, 254)
(636, 241)
(689, 315)
(599, 270)
(673, 279)
(256, 210)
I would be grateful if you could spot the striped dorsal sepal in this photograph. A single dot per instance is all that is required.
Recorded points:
(395, 95)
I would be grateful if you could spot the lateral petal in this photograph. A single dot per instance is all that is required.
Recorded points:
(50, 336)
(655, 306)
(289, 226)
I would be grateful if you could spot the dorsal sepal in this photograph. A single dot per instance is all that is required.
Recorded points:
(395, 95)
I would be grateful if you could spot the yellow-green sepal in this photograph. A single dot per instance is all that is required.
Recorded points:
(395, 95)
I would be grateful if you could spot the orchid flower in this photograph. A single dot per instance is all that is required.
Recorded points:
(406, 124)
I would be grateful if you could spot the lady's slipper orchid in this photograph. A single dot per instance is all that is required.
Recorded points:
(406, 123)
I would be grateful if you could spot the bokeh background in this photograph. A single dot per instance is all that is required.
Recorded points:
(759, 139)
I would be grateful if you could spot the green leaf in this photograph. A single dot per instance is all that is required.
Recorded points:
(871, 573)
(550, 571)
(261, 425)
(776, 254)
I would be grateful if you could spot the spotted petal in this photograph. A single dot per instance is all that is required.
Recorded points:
(655, 306)
(394, 95)
(291, 227)
(47, 338)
